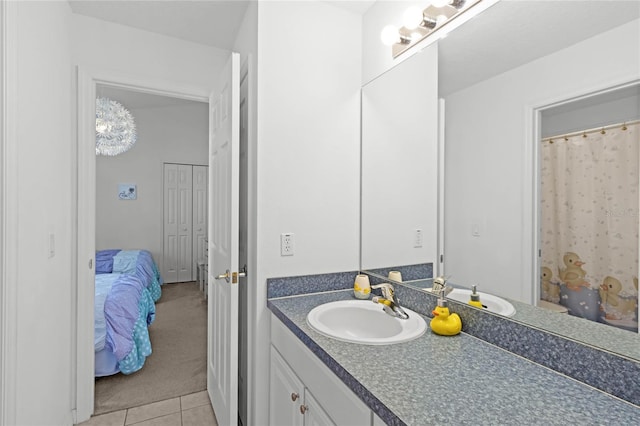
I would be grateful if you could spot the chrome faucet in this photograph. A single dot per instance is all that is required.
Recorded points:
(440, 286)
(389, 301)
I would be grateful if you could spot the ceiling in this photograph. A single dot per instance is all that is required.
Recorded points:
(211, 22)
(515, 32)
(508, 34)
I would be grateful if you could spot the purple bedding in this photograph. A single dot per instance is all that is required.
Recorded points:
(123, 311)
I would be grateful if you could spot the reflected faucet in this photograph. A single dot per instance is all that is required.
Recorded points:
(389, 301)
(440, 286)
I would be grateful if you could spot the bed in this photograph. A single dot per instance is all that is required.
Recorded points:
(127, 285)
(138, 262)
(124, 308)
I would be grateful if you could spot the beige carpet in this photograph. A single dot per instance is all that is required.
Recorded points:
(178, 364)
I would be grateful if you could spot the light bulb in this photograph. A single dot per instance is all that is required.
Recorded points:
(390, 35)
(412, 18)
(440, 3)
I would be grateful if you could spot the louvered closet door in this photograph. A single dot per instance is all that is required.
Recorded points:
(178, 223)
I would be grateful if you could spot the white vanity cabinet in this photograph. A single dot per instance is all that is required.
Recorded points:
(303, 391)
(290, 403)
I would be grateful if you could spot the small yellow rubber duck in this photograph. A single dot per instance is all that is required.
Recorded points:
(444, 322)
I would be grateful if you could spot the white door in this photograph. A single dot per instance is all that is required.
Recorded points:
(185, 221)
(200, 185)
(222, 351)
(170, 225)
(177, 257)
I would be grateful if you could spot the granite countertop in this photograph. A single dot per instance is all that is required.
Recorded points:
(451, 380)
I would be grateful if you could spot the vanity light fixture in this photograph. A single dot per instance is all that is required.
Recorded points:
(418, 24)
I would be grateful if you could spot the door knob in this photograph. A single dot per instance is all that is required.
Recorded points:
(294, 396)
(303, 409)
(224, 276)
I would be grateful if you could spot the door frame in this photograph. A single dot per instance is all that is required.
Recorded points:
(84, 206)
(531, 260)
(8, 217)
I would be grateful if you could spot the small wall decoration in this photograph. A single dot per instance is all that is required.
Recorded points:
(127, 191)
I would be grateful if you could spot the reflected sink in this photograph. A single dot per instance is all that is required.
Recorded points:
(362, 321)
(492, 303)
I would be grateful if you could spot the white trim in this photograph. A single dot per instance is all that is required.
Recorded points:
(439, 263)
(85, 162)
(84, 182)
(254, 289)
(531, 181)
(9, 216)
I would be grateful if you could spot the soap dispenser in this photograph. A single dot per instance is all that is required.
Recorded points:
(475, 298)
(444, 322)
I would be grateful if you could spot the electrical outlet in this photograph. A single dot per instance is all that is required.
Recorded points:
(287, 244)
(417, 242)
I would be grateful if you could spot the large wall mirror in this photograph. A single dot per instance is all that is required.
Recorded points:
(400, 165)
(504, 77)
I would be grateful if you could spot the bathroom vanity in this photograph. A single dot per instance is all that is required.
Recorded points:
(429, 380)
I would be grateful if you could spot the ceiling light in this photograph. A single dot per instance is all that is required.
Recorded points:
(115, 128)
(412, 18)
(440, 3)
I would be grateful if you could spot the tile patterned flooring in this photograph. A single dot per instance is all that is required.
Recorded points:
(188, 410)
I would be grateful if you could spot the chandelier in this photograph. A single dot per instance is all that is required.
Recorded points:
(115, 128)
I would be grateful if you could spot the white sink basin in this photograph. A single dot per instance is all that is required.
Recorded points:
(362, 321)
(493, 303)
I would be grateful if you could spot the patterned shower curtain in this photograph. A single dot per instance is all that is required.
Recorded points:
(589, 228)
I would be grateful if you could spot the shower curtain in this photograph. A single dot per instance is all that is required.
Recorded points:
(589, 223)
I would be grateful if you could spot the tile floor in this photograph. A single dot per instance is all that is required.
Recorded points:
(188, 410)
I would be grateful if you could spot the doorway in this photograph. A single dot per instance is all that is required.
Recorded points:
(86, 212)
(588, 206)
(168, 129)
(86, 203)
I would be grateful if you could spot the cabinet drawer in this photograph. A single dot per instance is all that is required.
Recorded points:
(342, 405)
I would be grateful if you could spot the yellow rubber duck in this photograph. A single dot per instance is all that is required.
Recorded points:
(550, 290)
(573, 275)
(444, 322)
(615, 307)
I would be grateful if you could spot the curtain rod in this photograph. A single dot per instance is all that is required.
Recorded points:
(589, 131)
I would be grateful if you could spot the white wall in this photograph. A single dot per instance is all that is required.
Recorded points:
(44, 284)
(490, 157)
(171, 134)
(308, 149)
(557, 121)
(308, 129)
(107, 46)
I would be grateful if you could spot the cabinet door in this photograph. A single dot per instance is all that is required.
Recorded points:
(314, 415)
(286, 393)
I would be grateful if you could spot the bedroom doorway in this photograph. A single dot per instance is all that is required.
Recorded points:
(148, 192)
(88, 83)
(170, 132)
